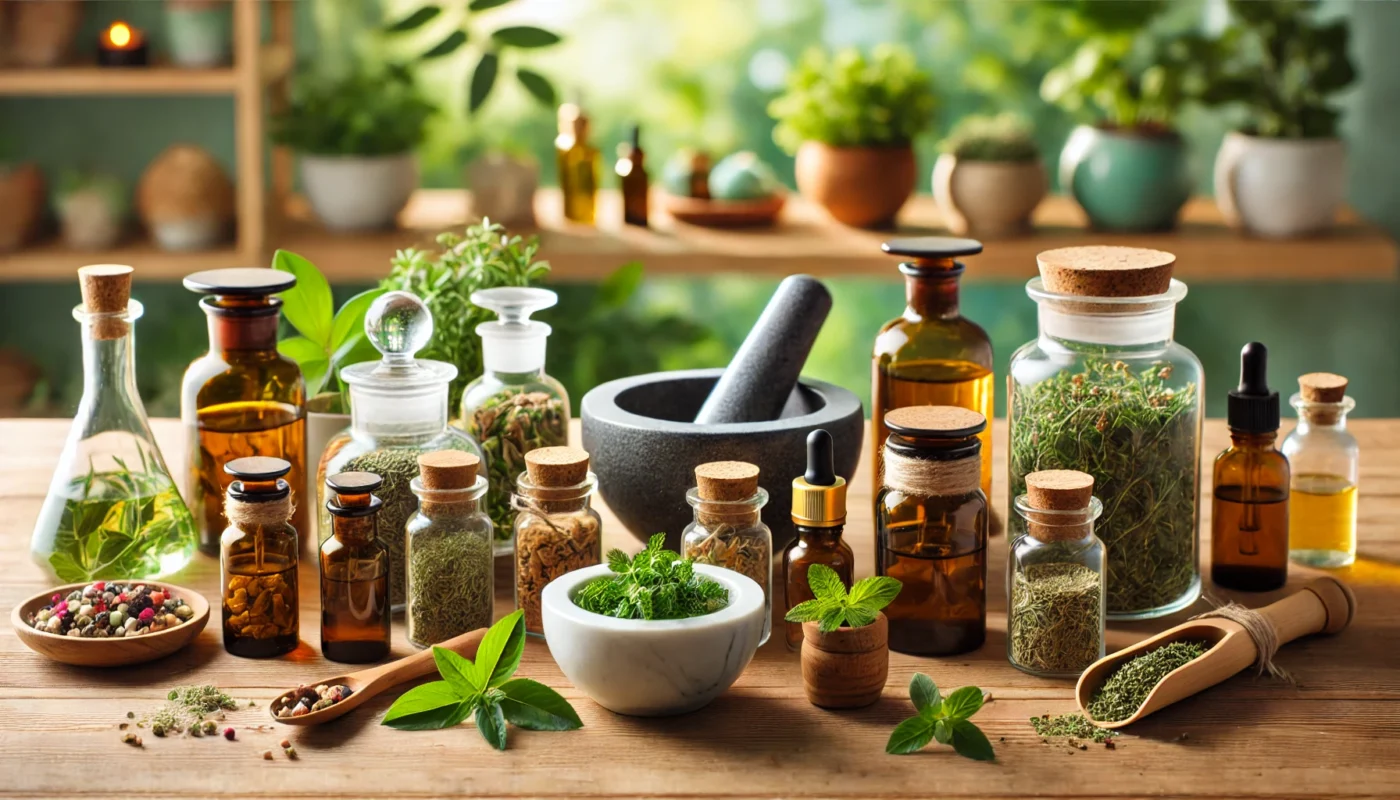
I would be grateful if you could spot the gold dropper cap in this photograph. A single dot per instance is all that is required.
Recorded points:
(819, 495)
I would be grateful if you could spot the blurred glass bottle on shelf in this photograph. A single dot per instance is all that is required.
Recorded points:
(578, 165)
(632, 174)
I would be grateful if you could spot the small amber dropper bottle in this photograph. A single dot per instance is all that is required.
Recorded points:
(354, 572)
(631, 170)
(819, 513)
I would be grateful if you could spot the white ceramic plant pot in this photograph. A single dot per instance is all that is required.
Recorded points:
(355, 193)
(320, 427)
(503, 189)
(89, 220)
(1280, 188)
(988, 199)
(184, 235)
(653, 668)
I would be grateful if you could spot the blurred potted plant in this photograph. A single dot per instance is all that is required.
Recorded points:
(22, 197)
(503, 180)
(92, 210)
(1129, 171)
(186, 199)
(356, 134)
(199, 32)
(38, 34)
(989, 178)
(851, 120)
(1284, 174)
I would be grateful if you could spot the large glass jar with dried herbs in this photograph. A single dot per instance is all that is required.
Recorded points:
(398, 411)
(556, 529)
(514, 407)
(1104, 389)
(728, 531)
(451, 572)
(1055, 617)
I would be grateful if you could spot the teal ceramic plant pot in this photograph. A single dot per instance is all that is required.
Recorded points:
(200, 33)
(1126, 181)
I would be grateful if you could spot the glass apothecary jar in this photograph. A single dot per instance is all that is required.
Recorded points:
(556, 529)
(258, 558)
(1325, 460)
(354, 572)
(728, 531)
(514, 407)
(1104, 389)
(1055, 603)
(451, 571)
(398, 411)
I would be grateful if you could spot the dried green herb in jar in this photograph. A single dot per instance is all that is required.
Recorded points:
(1125, 690)
(450, 591)
(509, 425)
(1055, 625)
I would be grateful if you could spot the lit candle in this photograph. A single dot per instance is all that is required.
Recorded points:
(121, 45)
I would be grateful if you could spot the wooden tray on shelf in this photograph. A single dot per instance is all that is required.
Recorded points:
(724, 213)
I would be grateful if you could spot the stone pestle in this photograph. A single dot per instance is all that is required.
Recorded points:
(760, 381)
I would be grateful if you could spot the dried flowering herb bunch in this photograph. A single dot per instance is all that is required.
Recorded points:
(508, 425)
(108, 609)
(1138, 437)
(1125, 690)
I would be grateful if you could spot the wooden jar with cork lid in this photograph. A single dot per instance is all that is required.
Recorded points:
(1105, 389)
(728, 531)
(1325, 461)
(451, 573)
(556, 530)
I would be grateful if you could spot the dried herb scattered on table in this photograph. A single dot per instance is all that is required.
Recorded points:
(1072, 726)
(1055, 617)
(509, 425)
(187, 707)
(654, 584)
(1130, 684)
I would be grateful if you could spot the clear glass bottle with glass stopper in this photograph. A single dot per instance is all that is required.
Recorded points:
(556, 529)
(819, 515)
(398, 411)
(728, 531)
(354, 572)
(1055, 605)
(258, 558)
(1325, 462)
(113, 510)
(242, 398)
(514, 407)
(451, 569)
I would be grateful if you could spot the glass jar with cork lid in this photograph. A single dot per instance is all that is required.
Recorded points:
(451, 572)
(932, 523)
(355, 572)
(1105, 389)
(1055, 616)
(556, 529)
(727, 530)
(1325, 460)
(258, 558)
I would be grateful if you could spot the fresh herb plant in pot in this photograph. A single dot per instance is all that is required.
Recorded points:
(989, 178)
(355, 134)
(851, 120)
(845, 645)
(1284, 174)
(92, 209)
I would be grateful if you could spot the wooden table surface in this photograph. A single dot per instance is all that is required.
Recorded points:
(1336, 733)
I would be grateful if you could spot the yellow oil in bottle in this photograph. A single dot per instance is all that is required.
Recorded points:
(1322, 520)
(246, 428)
(933, 382)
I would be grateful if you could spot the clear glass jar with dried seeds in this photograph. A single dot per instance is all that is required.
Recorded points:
(258, 560)
(556, 530)
(727, 531)
(1055, 609)
(451, 574)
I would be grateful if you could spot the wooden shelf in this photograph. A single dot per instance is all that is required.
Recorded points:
(53, 262)
(89, 80)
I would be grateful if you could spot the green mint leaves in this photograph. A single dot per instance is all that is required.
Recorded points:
(654, 584)
(943, 718)
(834, 607)
(484, 688)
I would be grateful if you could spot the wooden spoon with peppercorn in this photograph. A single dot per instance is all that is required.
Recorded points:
(333, 697)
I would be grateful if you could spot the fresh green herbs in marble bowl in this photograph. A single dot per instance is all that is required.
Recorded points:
(654, 584)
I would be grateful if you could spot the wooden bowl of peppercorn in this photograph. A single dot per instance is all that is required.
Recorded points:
(110, 651)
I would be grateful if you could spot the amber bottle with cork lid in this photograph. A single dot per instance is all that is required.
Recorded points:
(556, 530)
(727, 530)
(931, 529)
(354, 572)
(1055, 606)
(451, 573)
(1324, 460)
(242, 398)
(258, 558)
(819, 514)
(1249, 519)
(1104, 389)
(578, 165)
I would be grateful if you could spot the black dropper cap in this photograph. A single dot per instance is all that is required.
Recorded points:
(821, 459)
(1253, 407)
(819, 494)
(636, 136)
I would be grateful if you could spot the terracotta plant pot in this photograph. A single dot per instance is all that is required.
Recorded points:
(22, 198)
(503, 189)
(39, 34)
(1127, 180)
(859, 186)
(988, 199)
(846, 668)
(1280, 188)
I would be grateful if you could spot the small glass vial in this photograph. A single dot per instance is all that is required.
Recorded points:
(258, 560)
(578, 165)
(556, 530)
(819, 515)
(931, 529)
(727, 531)
(1055, 604)
(451, 572)
(1325, 461)
(1249, 517)
(354, 572)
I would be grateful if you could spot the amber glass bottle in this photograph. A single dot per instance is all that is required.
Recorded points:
(932, 355)
(631, 171)
(258, 557)
(819, 514)
(1249, 519)
(578, 165)
(242, 398)
(354, 572)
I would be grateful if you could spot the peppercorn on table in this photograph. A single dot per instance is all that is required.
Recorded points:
(1333, 734)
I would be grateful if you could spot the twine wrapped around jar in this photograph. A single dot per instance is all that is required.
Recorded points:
(258, 515)
(929, 477)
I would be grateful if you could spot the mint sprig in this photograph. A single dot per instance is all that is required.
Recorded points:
(484, 688)
(834, 606)
(943, 718)
(654, 584)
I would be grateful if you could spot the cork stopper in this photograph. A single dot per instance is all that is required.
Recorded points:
(448, 469)
(1323, 387)
(1106, 271)
(935, 421)
(1058, 490)
(727, 481)
(106, 290)
(557, 466)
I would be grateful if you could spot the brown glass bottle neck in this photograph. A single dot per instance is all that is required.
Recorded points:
(353, 529)
(238, 324)
(932, 297)
(826, 538)
(1245, 440)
